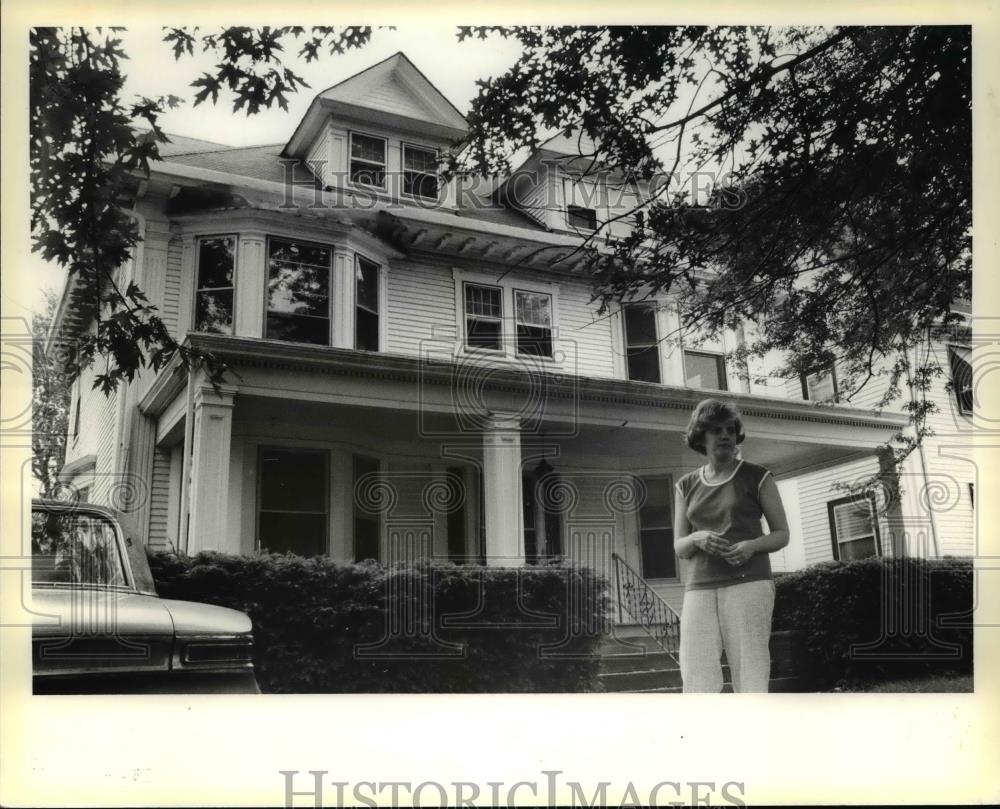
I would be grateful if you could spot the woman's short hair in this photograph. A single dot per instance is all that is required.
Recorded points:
(711, 413)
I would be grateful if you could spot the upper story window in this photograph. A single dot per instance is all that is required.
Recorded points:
(961, 378)
(366, 308)
(298, 292)
(533, 316)
(581, 218)
(641, 344)
(820, 386)
(704, 370)
(420, 167)
(853, 528)
(214, 294)
(368, 166)
(483, 317)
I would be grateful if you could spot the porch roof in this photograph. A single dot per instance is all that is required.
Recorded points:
(249, 353)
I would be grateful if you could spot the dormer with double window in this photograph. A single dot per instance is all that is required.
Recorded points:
(381, 133)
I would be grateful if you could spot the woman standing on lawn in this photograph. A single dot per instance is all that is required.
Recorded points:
(728, 590)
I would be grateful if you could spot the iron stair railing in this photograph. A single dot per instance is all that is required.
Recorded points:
(646, 607)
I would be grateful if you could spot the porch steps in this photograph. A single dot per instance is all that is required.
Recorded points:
(632, 662)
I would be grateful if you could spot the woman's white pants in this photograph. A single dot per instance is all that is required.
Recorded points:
(736, 618)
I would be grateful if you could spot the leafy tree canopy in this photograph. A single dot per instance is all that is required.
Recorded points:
(843, 229)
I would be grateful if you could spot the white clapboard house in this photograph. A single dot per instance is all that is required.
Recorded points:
(417, 369)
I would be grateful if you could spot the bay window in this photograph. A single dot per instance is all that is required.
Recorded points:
(214, 292)
(298, 292)
(366, 305)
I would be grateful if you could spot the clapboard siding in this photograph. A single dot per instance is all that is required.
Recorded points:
(108, 479)
(159, 495)
(421, 300)
(588, 335)
(172, 285)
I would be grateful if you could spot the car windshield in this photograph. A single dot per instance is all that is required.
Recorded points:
(72, 548)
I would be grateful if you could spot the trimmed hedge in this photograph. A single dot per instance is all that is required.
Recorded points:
(494, 629)
(879, 619)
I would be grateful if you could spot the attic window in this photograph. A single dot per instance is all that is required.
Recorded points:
(581, 218)
(367, 161)
(420, 172)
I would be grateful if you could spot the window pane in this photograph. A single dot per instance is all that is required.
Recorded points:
(640, 325)
(961, 378)
(534, 341)
(366, 540)
(532, 308)
(423, 160)
(367, 284)
(216, 258)
(644, 364)
(820, 386)
(420, 185)
(853, 520)
(297, 253)
(75, 548)
(292, 481)
(303, 534)
(483, 333)
(658, 560)
(299, 290)
(704, 371)
(583, 218)
(368, 148)
(365, 174)
(215, 312)
(858, 549)
(484, 301)
(297, 329)
(365, 330)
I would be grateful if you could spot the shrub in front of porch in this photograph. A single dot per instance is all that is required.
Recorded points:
(878, 619)
(327, 627)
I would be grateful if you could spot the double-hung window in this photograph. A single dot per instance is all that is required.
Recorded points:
(533, 318)
(298, 292)
(366, 305)
(368, 166)
(853, 528)
(483, 316)
(214, 295)
(292, 516)
(642, 352)
(704, 370)
(420, 178)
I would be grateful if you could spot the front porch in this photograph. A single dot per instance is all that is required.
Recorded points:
(361, 455)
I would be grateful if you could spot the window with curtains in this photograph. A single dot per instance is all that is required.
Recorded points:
(366, 305)
(961, 378)
(854, 528)
(214, 293)
(298, 292)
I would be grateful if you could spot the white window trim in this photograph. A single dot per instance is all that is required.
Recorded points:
(383, 300)
(552, 325)
(197, 275)
(403, 146)
(508, 329)
(623, 336)
(351, 158)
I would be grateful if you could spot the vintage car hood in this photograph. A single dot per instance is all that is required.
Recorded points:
(192, 618)
(63, 611)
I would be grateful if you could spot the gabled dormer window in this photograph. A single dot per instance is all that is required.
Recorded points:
(420, 177)
(368, 167)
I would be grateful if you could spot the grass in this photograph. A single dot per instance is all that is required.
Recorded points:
(933, 684)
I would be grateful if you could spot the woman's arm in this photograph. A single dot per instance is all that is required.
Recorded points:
(777, 523)
(688, 542)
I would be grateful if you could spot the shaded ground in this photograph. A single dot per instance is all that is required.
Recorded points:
(935, 684)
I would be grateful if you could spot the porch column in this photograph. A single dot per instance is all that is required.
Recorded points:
(502, 491)
(210, 459)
